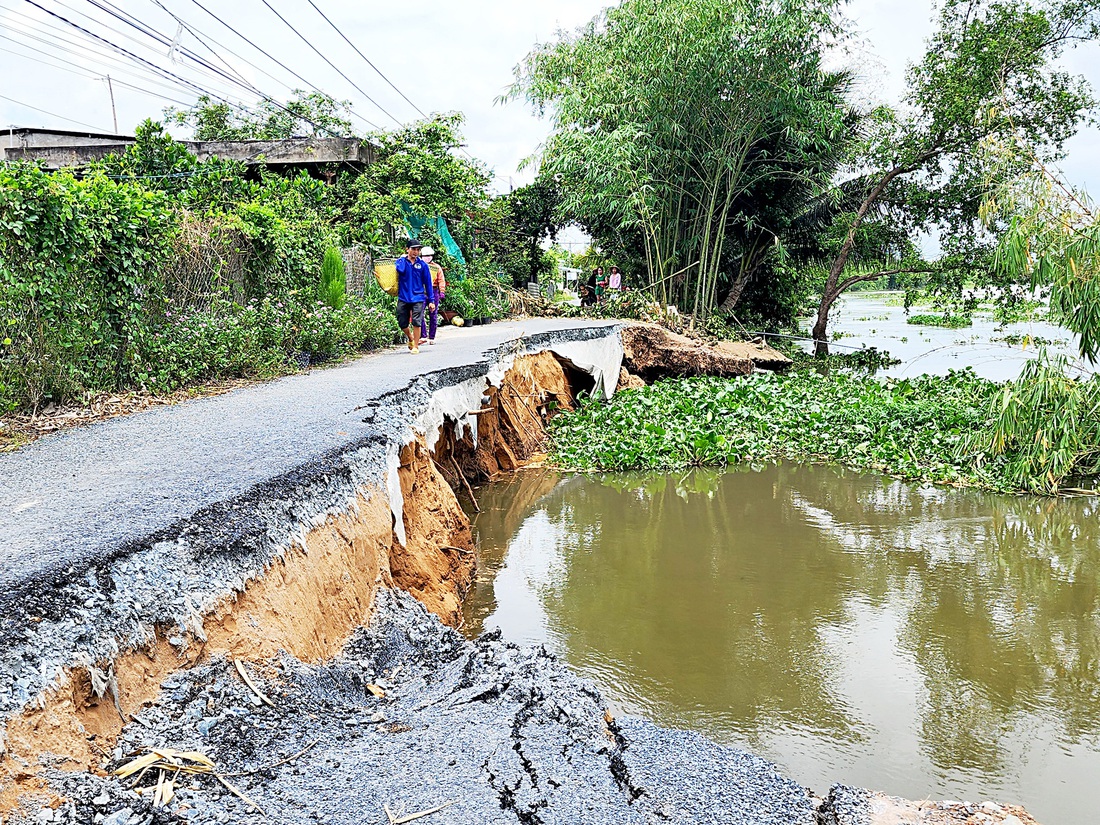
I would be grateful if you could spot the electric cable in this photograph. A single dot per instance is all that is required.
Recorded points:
(423, 114)
(40, 25)
(81, 50)
(367, 59)
(51, 114)
(132, 56)
(270, 57)
(182, 80)
(110, 65)
(330, 63)
(82, 71)
(214, 72)
(202, 38)
(164, 40)
(159, 71)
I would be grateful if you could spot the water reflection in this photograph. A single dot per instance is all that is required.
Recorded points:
(923, 641)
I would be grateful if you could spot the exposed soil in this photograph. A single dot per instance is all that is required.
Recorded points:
(308, 604)
(652, 352)
(309, 601)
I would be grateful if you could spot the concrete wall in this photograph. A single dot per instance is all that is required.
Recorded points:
(59, 150)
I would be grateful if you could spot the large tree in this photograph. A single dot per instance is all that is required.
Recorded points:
(988, 74)
(662, 114)
(309, 113)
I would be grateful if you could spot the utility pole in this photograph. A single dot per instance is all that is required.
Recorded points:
(111, 91)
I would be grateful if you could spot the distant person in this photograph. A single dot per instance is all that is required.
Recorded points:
(588, 295)
(439, 287)
(414, 290)
(615, 279)
(596, 284)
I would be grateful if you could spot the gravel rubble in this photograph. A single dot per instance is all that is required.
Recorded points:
(505, 734)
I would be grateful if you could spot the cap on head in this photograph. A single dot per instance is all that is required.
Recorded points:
(427, 252)
(411, 244)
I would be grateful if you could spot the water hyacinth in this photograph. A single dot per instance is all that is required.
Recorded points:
(931, 428)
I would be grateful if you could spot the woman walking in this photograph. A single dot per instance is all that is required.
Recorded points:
(439, 286)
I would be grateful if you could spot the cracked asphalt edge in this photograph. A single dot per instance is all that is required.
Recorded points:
(87, 613)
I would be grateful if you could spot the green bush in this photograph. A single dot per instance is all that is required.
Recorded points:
(80, 278)
(85, 304)
(259, 339)
(333, 279)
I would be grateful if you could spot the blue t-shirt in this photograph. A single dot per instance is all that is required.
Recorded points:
(414, 281)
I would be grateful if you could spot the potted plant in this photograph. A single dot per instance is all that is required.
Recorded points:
(458, 301)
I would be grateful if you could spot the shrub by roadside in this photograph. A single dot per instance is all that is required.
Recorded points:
(261, 339)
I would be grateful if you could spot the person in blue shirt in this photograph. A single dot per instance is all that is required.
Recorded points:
(414, 290)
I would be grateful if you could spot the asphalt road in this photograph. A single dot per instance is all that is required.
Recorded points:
(69, 500)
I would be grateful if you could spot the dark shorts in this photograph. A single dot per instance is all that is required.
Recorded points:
(410, 315)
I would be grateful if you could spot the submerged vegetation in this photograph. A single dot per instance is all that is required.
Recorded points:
(946, 320)
(958, 429)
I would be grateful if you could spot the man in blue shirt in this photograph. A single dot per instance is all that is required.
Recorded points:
(414, 290)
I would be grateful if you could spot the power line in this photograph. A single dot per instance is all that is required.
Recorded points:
(204, 66)
(85, 73)
(202, 37)
(106, 59)
(113, 66)
(132, 56)
(51, 114)
(330, 63)
(270, 57)
(39, 25)
(199, 36)
(182, 80)
(163, 40)
(367, 59)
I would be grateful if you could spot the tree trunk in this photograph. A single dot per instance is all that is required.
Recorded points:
(745, 275)
(831, 292)
(833, 287)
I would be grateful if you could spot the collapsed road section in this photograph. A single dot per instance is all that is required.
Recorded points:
(220, 589)
(251, 523)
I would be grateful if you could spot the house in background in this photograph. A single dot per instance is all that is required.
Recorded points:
(58, 149)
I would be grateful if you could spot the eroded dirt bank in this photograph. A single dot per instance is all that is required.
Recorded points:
(377, 710)
(314, 589)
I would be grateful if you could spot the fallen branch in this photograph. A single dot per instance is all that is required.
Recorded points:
(456, 549)
(233, 790)
(275, 764)
(418, 815)
(252, 685)
(469, 489)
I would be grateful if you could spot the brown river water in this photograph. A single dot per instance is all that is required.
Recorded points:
(922, 641)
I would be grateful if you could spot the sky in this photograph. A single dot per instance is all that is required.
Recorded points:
(441, 56)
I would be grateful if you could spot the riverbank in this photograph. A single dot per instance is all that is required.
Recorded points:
(261, 528)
